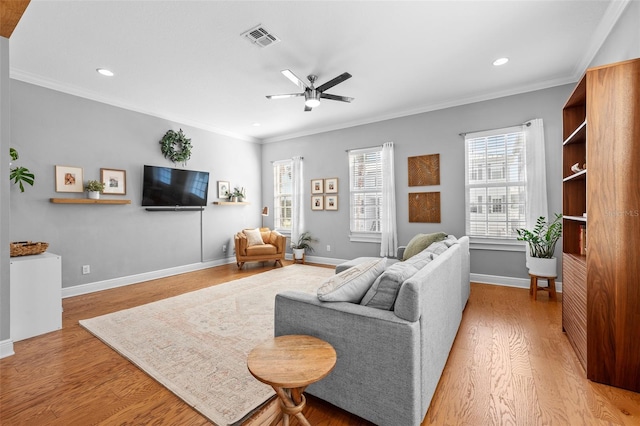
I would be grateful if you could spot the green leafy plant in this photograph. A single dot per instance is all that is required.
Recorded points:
(543, 238)
(238, 192)
(20, 175)
(176, 147)
(304, 242)
(94, 186)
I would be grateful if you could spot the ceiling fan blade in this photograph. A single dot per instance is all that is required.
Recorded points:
(329, 84)
(294, 79)
(288, 95)
(336, 97)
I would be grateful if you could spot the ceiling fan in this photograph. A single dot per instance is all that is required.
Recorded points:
(313, 94)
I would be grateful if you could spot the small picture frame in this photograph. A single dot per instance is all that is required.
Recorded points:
(115, 181)
(317, 202)
(223, 189)
(331, 186)
(69, 179)
(331, 202)
(317, 186)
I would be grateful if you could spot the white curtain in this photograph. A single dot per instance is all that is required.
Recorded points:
(536, 174)
(297, 203)
(388, 227)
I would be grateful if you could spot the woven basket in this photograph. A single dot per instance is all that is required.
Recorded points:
(26, 248)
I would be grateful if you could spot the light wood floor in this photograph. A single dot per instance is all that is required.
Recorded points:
(510, 365)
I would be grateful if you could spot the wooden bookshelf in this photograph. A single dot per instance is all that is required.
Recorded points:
(601, 296)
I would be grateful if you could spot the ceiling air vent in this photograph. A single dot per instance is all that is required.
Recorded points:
(260, 36)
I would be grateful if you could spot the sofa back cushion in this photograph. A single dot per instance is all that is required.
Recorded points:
(350, 285)
(383, 292)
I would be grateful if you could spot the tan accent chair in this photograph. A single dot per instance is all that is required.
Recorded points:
(272, 249)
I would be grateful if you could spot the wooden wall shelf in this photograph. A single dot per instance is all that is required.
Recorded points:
(230, 203)
(86, 201)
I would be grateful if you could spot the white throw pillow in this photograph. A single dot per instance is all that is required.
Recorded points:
(254, 238)
(352, 284)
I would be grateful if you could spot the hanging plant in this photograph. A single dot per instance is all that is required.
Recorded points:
(176, 147)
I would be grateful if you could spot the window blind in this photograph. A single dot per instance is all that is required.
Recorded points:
(282, 194)
(365, 186)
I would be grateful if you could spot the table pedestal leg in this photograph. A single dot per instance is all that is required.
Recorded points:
(292, 401)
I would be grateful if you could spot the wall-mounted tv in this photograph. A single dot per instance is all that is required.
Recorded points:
(167, 187)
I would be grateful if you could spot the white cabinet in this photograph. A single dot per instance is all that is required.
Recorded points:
(36, 295)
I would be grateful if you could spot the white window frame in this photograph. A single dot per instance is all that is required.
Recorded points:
(494, 242)
(280, 197)
(359, 213)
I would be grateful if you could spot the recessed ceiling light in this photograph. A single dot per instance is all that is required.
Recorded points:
(256, 124)
(500, 61)
(105, 72)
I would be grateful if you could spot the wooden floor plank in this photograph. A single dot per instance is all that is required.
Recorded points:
(510, 364)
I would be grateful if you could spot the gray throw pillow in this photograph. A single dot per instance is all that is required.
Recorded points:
(383, 292)
(440, 247)
(350, 285)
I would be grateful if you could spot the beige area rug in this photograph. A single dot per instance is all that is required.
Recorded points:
(197, 344)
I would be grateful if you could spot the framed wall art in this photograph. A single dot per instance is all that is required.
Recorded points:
(331, 202)
(69, 179)
(331, 185)
(223, 189)
(317, 186)
(115, 181)
(317, 202)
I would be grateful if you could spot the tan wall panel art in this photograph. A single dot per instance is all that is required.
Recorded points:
(424, 170)
(424, 207)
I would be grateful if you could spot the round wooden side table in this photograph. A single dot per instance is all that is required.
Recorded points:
(289, 364)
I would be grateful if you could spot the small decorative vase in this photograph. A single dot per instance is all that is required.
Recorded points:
(240, 199)
(94, 195)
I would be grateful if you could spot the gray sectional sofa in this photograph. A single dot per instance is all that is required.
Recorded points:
(389, 361)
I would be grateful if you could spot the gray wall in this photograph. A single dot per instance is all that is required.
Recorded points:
(4, 187)
(623, 41)
(435, 132)
(51, 128)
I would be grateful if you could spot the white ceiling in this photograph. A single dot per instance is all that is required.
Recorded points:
(186, 61)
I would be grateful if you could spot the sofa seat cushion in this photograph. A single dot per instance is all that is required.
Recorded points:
(421, 242)
(261, 250)
(383, 292)
(350, 285)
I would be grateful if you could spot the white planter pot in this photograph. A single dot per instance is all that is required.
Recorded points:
(298, 253)
(94, 195)
(542, 267)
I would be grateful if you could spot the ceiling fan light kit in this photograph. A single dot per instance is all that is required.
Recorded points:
(313, 94)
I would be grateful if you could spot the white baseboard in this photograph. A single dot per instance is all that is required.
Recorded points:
(6, 348)
(318, 259)
(507, 281)
(138, 278)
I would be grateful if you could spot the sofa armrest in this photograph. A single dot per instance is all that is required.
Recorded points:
(377, 374)
(278, 240)
(240, 241)
(400, 253)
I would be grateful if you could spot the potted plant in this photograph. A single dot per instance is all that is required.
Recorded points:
(303, 244)
(94, 188)
(238, 194)
(542, 244)
(20, 175)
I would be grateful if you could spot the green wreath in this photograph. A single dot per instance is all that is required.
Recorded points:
(176, 147)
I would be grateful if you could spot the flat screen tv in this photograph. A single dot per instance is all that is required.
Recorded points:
(167, 187)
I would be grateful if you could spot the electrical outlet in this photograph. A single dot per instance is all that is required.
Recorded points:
(328, 247)
(224, 248)
(86, 269)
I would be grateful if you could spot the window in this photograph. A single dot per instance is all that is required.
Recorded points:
(282, 194)
(365, 186)
(495, 183)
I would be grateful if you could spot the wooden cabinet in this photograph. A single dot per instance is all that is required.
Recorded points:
(601, 208)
